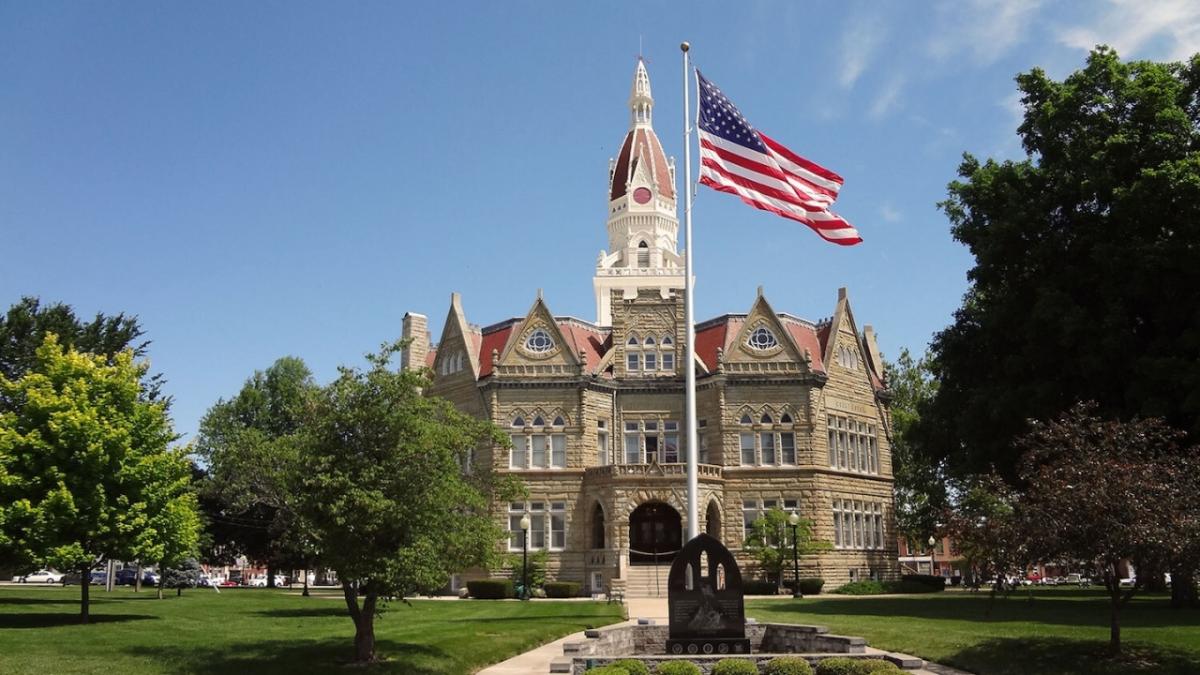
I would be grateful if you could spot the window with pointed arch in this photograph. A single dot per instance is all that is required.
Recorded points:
(537, 444)
(768, 439)
(649, 355)
(847, 357)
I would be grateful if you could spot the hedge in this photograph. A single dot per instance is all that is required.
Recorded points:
(861, 588)
(633, 666)
(844, 666)
(735, 667)
(808, 585)
(490, 589)
(934, 582)
(562, 589)
(787, 665)
(760, 588)
(677, 668)
(607, 670)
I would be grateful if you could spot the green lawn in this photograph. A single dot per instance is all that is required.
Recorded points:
(1059, 632)
(248, 631)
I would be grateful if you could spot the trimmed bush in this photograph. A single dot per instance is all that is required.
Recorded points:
(633, 666)
(910, 587)
(811, 585)
(934, 582)
(490, 589)
(861, 588)
(788, 665)
(760, 588)
(735, 667)
(607, 670)
(844, 666)
(562, 589)
(677, 668)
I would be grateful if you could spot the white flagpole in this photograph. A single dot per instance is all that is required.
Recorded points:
(689, 318)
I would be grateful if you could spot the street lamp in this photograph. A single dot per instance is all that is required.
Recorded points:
(525, 557)
(932, 555)
(794, 521)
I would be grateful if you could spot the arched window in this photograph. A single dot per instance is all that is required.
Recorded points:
(650, 341)
(519, 422)
(539, 422)
(667, 341)
(643, 255)
(785, 419)
(598, 526)
(558, 422)
(766, 419)
(746, 419)
(633, 341)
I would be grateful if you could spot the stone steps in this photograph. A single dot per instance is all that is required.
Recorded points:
(646, 581)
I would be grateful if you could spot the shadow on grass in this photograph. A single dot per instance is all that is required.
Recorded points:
(306, 612)
(295, 656)
(1144, 613)
(52, 619)
(34, 601)
(1049, 656)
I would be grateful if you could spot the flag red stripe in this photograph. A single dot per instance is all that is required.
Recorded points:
(766, 190)
(804, 163)
(845, 235)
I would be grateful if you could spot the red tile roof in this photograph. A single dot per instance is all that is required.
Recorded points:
(494, 340)
(592, 341)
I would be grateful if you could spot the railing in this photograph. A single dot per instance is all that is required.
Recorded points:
(643, 470)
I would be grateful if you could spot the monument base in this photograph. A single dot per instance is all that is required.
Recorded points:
(708, 646)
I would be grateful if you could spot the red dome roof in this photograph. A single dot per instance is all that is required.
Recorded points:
(641, 145)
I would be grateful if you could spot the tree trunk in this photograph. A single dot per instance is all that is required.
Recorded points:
(1183, 589)
(137, 581)
(364, 622)
(84, 584)
(270, 574)
(162, 578)
(305, 583)
(178, 591)
(1114, 634)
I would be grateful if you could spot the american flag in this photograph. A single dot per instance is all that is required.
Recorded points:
(738, 159)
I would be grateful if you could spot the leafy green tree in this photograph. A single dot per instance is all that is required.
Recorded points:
(385, 495)
(85, 469)
(1085, 284)
(920, 486)
(770, 542)
(24, 327)
(248, 444)
(185, 574)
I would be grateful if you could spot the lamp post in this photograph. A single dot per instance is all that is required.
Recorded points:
(525, 557)
(932, 555)
(794, 521)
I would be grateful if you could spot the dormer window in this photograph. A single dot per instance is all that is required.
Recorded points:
(762, 339)
(539, 342)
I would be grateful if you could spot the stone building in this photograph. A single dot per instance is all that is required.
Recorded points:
(791, 413)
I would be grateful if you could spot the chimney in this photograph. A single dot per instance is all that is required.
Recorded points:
(416, 330)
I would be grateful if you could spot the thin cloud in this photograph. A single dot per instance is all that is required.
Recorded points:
(887, 99)
(860, 41)
(985, 30)
(1167, 29)
(889, 213)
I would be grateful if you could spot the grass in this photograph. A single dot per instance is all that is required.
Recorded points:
(1057, 632)
(267, 631)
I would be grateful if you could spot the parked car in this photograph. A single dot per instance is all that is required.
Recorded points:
(1073, 579)
(99, 578)
(43, 577)
(228, 583)
(204, 581)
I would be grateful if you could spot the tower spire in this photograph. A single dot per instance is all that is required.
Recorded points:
(641, 103)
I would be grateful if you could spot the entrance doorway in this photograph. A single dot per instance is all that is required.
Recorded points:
(655, 534)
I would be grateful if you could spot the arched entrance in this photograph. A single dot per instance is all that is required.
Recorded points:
(655, 533)
(712, 521)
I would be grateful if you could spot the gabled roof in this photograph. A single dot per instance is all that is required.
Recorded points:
(723, 330)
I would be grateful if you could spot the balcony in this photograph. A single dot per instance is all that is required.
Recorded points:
(710, 472)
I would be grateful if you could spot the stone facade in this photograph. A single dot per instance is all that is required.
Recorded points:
(596, 410)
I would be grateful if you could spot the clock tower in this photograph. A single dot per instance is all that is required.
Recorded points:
(643, 227)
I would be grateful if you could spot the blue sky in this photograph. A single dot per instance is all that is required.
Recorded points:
(256, 180)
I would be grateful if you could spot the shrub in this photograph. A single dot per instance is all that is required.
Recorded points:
(844, 666)
(562, 589)
(633, 666)
(861, 588)
(760, 588)
(735, 667)
(910, 587)
(788, 665)
(811, 585)
(490, 589)
(607, 670)
(677, 668)
(934, 582)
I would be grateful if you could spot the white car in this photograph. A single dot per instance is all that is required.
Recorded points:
(43, 577)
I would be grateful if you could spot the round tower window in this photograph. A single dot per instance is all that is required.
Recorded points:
(539, 341)
(641, 195)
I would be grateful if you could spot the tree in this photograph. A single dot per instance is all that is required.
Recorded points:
(24, 327)
(1072, 248)
(920, 486)
(185, 574)
(1102, 491)
(385, 495)
(770, 542)
(249, 447)
(987, 527)
(85, 470)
